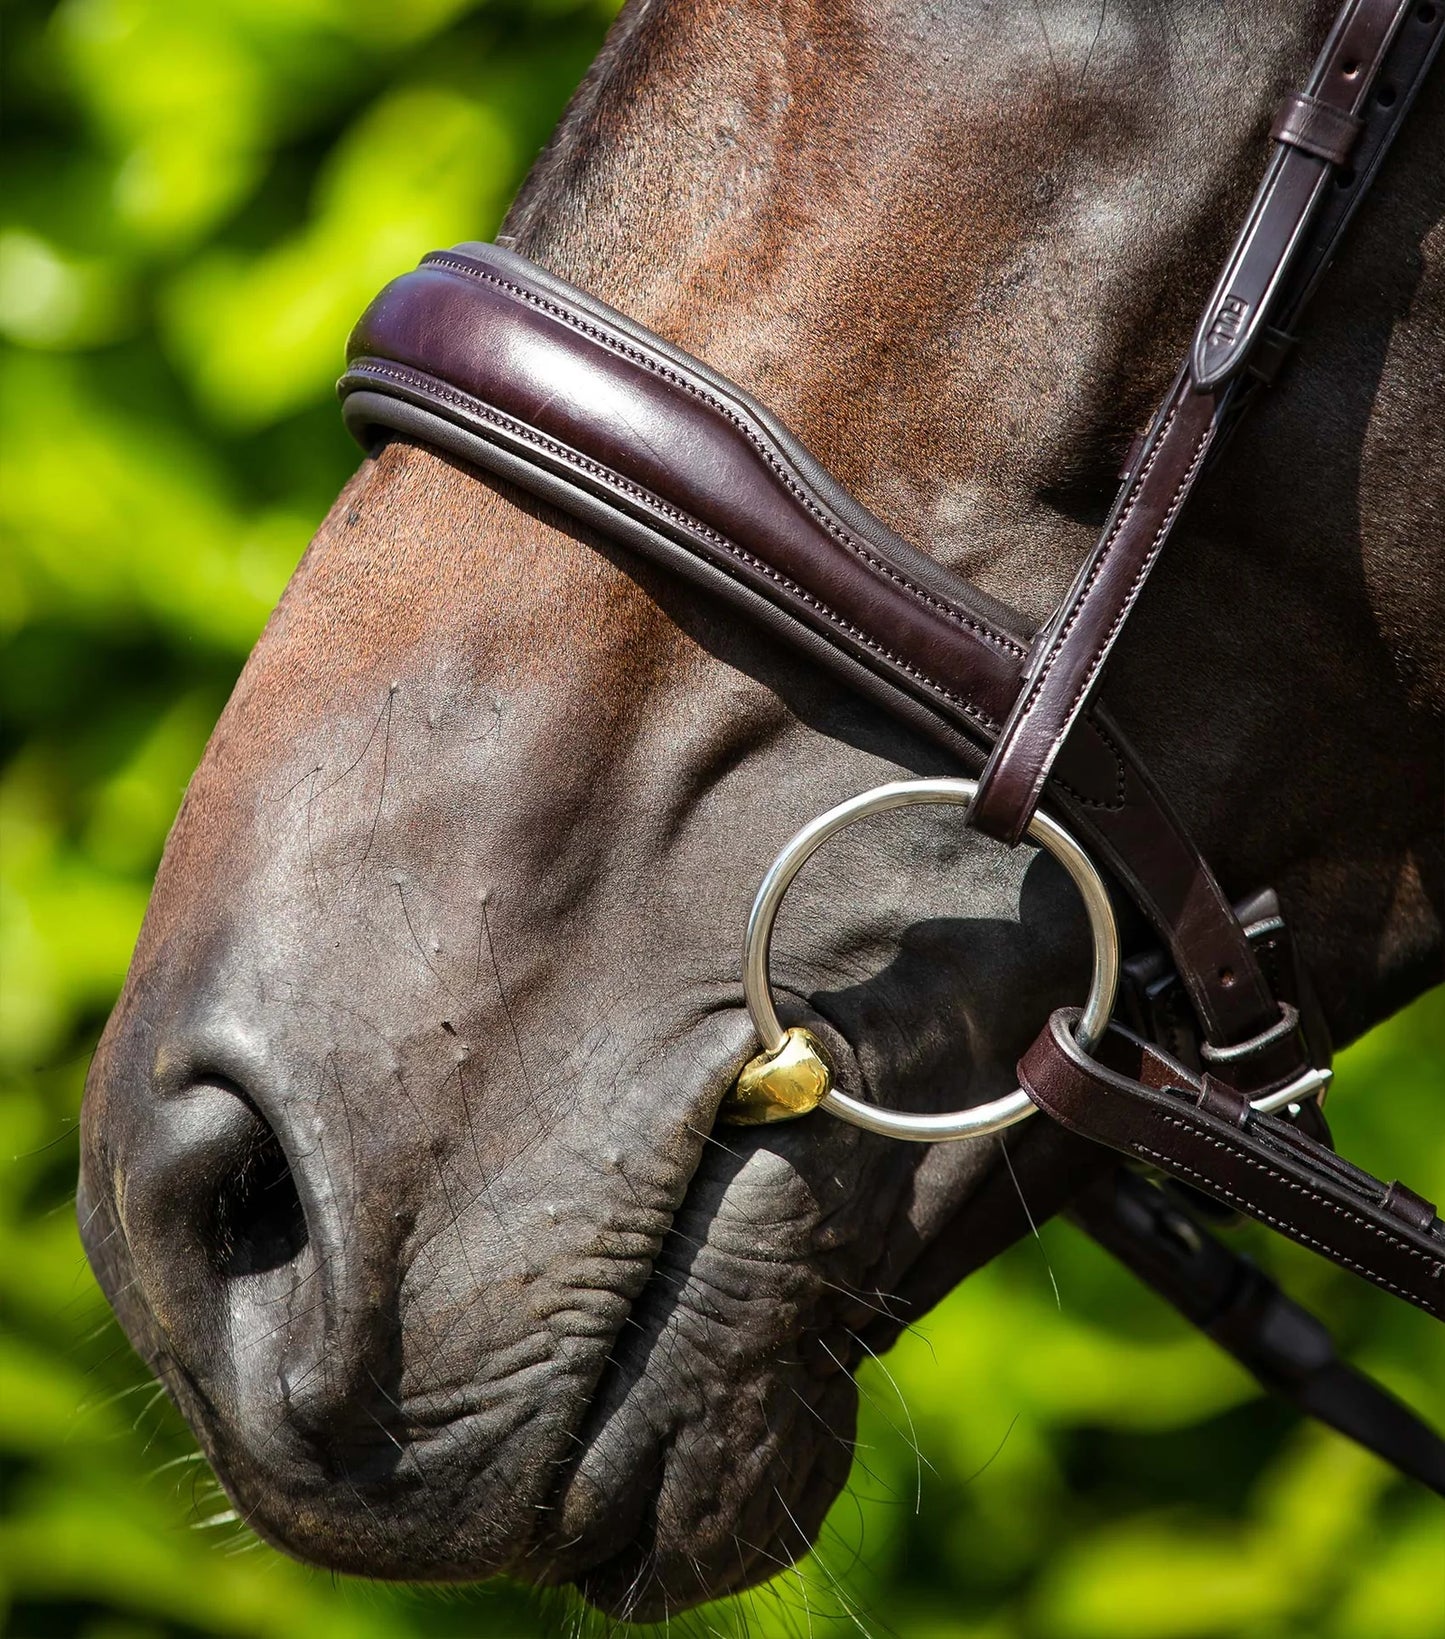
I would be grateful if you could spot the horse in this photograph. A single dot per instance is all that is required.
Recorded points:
(399, 1163)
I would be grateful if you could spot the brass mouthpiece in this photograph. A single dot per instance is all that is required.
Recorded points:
(779, 1086)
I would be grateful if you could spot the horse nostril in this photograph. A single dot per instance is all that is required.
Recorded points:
(215, 1224)
(258, 1221)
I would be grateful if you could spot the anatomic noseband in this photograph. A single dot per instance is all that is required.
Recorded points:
(483, 355)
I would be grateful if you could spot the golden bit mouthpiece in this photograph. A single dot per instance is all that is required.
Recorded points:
(779, 1086)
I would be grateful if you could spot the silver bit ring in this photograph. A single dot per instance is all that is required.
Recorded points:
(981, 1119)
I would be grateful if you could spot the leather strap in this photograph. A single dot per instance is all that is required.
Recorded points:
(1136, 1099)
(1233, 1302)
(1335, 104)
(1153, 1003)
(1267, 277)
(483, 354)
(1414, 50)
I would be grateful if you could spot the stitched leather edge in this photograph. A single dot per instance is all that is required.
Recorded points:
(829, 523)
(1286, 1227)
(438, 390)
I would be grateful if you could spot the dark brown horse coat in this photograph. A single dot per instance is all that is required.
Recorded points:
(397, 1162)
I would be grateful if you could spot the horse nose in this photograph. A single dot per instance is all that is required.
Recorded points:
(244, 1247)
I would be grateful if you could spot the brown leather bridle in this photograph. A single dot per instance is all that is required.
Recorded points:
(489, 358)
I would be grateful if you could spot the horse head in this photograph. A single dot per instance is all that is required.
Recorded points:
(400, 1165)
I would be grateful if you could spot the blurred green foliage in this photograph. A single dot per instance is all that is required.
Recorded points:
(199, 199)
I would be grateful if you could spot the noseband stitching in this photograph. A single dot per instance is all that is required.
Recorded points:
(654, 503)
(833, 527)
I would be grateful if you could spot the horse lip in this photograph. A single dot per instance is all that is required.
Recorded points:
(576, 1559)
(441, 1419)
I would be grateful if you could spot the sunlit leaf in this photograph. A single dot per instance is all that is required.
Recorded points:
(48, 299)
(261, 336)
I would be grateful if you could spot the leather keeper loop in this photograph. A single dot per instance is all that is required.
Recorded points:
(1305, 122)
(1287, 1025)
(1284, 1343)
(1137, 1100)
(1403, 1203)
(1223, 1102)
(1267, 357)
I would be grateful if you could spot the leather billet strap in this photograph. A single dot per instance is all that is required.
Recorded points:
(1282, 1345)
(1314, 135)
(482, 354)
(1368, 73)
(1136, 1099)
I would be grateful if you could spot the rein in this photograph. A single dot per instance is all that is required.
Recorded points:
(482, 355)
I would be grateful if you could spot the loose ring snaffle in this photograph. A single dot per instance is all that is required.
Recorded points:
(997, 1113)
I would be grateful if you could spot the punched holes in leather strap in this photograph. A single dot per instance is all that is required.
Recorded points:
(1305, 122)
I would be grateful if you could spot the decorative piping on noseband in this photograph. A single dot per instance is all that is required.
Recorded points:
(778, 467)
